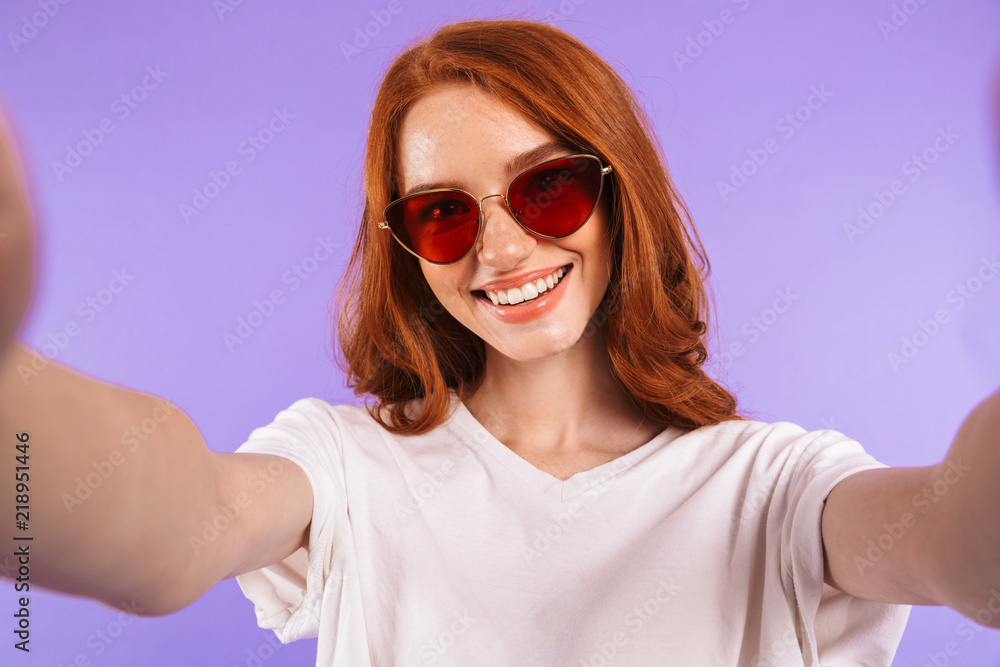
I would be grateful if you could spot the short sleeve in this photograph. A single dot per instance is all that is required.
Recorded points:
(290, 595)
(832, 627)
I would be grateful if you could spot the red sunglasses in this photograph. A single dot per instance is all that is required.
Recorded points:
(551, 200)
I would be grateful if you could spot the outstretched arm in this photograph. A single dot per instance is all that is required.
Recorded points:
(120, 496)
(926, 535)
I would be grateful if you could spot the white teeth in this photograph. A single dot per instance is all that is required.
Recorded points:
(527, 291)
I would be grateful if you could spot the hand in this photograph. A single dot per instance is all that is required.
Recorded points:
(17, 246)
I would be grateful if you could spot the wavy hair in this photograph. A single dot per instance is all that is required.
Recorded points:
(397, 341)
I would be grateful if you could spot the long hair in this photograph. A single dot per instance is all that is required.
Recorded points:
(397, 341)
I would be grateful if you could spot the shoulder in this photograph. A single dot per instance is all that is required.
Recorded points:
(317, 420)
(311, 425)
(742, 435)
(778, 447)
(308, 415)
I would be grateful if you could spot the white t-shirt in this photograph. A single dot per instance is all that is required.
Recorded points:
(698, 548)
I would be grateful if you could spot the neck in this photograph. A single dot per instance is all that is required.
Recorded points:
(563, 405)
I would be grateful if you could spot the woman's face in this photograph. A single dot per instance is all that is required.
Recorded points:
(460, 137)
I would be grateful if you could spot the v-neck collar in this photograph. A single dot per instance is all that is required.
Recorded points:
(548, 484)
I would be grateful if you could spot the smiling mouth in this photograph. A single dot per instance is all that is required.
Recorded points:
(526, 293)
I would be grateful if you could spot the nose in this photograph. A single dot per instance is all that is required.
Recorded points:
(503, 242)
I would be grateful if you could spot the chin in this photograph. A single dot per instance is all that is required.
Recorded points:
(539, 346)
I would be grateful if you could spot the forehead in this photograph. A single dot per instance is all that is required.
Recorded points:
(458, 128)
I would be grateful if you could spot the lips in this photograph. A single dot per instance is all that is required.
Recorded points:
(526, 311)
(526, 292)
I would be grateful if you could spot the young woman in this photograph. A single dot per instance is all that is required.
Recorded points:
(546, 475)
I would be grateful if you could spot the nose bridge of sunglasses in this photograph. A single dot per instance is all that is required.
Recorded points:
(503, 200)
(500, 224)
(502, 207)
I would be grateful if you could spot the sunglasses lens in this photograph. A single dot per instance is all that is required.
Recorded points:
(438, 226)
(556, 198)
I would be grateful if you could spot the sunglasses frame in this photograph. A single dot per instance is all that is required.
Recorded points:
(605, 170)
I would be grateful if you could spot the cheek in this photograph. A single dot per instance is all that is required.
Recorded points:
(598, 248)
(444, 282)
(432, 273)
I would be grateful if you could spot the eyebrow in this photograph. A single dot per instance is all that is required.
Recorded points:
(515, 165)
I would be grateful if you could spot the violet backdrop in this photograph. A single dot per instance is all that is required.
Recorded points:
(155, 99)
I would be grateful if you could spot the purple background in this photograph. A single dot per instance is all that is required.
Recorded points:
(822, 364)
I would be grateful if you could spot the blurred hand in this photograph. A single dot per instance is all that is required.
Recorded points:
(17, 245)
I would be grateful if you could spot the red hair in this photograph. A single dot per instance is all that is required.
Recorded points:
(397, 341)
